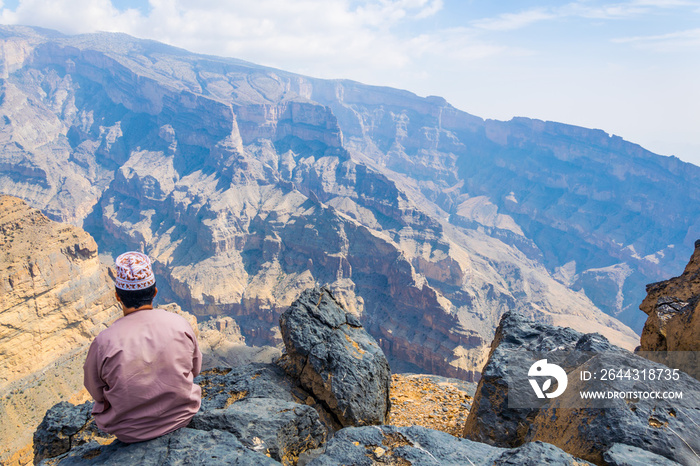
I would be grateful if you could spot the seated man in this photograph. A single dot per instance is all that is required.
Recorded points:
(140, 369)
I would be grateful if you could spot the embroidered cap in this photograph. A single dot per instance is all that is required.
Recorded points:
(134, 271)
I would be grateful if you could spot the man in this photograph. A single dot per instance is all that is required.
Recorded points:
(140, 369)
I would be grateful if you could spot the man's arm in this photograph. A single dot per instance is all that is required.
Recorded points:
(196, 357)
(92, 380)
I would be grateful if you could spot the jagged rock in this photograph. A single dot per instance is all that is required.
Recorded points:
(672, 306)
(66, 426)
(370, 445)
(281, 429)
(584, 428)
(184, 446)
(335, 359)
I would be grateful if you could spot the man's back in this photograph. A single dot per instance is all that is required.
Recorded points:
(140, 371)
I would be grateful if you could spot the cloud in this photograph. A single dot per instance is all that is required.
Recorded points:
(665, 42)
(578, 9)
(324, 38)
(511, 21)
(665, 3)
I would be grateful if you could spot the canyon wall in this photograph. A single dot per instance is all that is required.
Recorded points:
(55, 296)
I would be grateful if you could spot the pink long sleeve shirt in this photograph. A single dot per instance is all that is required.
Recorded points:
(139, 372)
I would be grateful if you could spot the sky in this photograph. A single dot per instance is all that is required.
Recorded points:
(629, 67)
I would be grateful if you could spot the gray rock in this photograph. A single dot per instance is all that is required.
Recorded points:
(420, 446)
(336, 359)
(221, 386)
(626, 455)
(584, 428)
(184, 446)
(65, 426)
(281, 429)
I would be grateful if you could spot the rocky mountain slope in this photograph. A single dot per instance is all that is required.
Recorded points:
(601, 214)
(247, 185)
(55, 296)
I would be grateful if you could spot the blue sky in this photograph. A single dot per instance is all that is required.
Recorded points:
(629, 67)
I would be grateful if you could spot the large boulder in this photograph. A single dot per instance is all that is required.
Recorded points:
(371, 445)
(592, 429)
(335, 359)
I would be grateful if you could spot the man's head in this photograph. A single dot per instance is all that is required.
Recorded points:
(135, 283)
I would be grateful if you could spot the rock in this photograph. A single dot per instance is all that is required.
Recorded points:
(335, 359)
(417, 445)
(66, 426)
(625, 455)
(223, 386)
(674, 318)
(280, 429)
(184, 446)
(586, 428)
(55, 297)
(261, 406)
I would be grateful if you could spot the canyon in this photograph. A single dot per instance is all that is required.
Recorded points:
(247, 185)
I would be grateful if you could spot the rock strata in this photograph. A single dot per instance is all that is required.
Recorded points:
(589, 429)
(335, 359)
